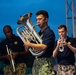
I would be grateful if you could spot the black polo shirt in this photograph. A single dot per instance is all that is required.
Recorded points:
(67, 56)
(16, 45)
(48, 38)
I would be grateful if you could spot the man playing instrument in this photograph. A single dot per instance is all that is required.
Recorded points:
(43, 64)
(15, 44)
(65, 56)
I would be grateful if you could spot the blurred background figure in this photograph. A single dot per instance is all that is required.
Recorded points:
(19, 55)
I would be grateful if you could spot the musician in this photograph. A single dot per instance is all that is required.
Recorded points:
(43, 64)
(65, 57)
(15, 44)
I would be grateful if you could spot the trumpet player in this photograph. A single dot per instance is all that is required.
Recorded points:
(12, 49)
(65, 48)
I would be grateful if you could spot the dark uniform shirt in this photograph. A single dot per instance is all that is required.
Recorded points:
(48, 38)
(16, 45)
(67, 56)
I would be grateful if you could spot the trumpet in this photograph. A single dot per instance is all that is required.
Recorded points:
(61, 46)
(12, 61)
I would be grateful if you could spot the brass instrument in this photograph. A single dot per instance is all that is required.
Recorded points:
(12, 61)
(27, 30)
(61, 47)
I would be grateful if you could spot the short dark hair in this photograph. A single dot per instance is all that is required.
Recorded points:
(8, 27)
(62, 26)
(43, 12)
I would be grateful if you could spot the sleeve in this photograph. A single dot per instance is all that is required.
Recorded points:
(48, 38)
(2, 49)
(20, 46)
(74, 42)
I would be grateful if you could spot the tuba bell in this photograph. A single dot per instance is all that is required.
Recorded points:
(27, 30)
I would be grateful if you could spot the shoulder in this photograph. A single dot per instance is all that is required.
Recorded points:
(3, 43)
(16, 37)
(74, 39)
(49, 34)
(48, 30)
(71, 38)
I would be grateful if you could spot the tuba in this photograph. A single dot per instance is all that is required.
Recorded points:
(27, 30)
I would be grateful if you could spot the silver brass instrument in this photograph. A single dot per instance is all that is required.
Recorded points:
(61, 47)
(12, 61)
(27, 30)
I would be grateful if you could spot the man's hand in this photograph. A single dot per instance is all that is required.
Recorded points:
(14, 54)
(27, 44)
(8, 57)
(58, 42)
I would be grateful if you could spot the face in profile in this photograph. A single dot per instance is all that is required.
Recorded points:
(8, 32)
(41, 20)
